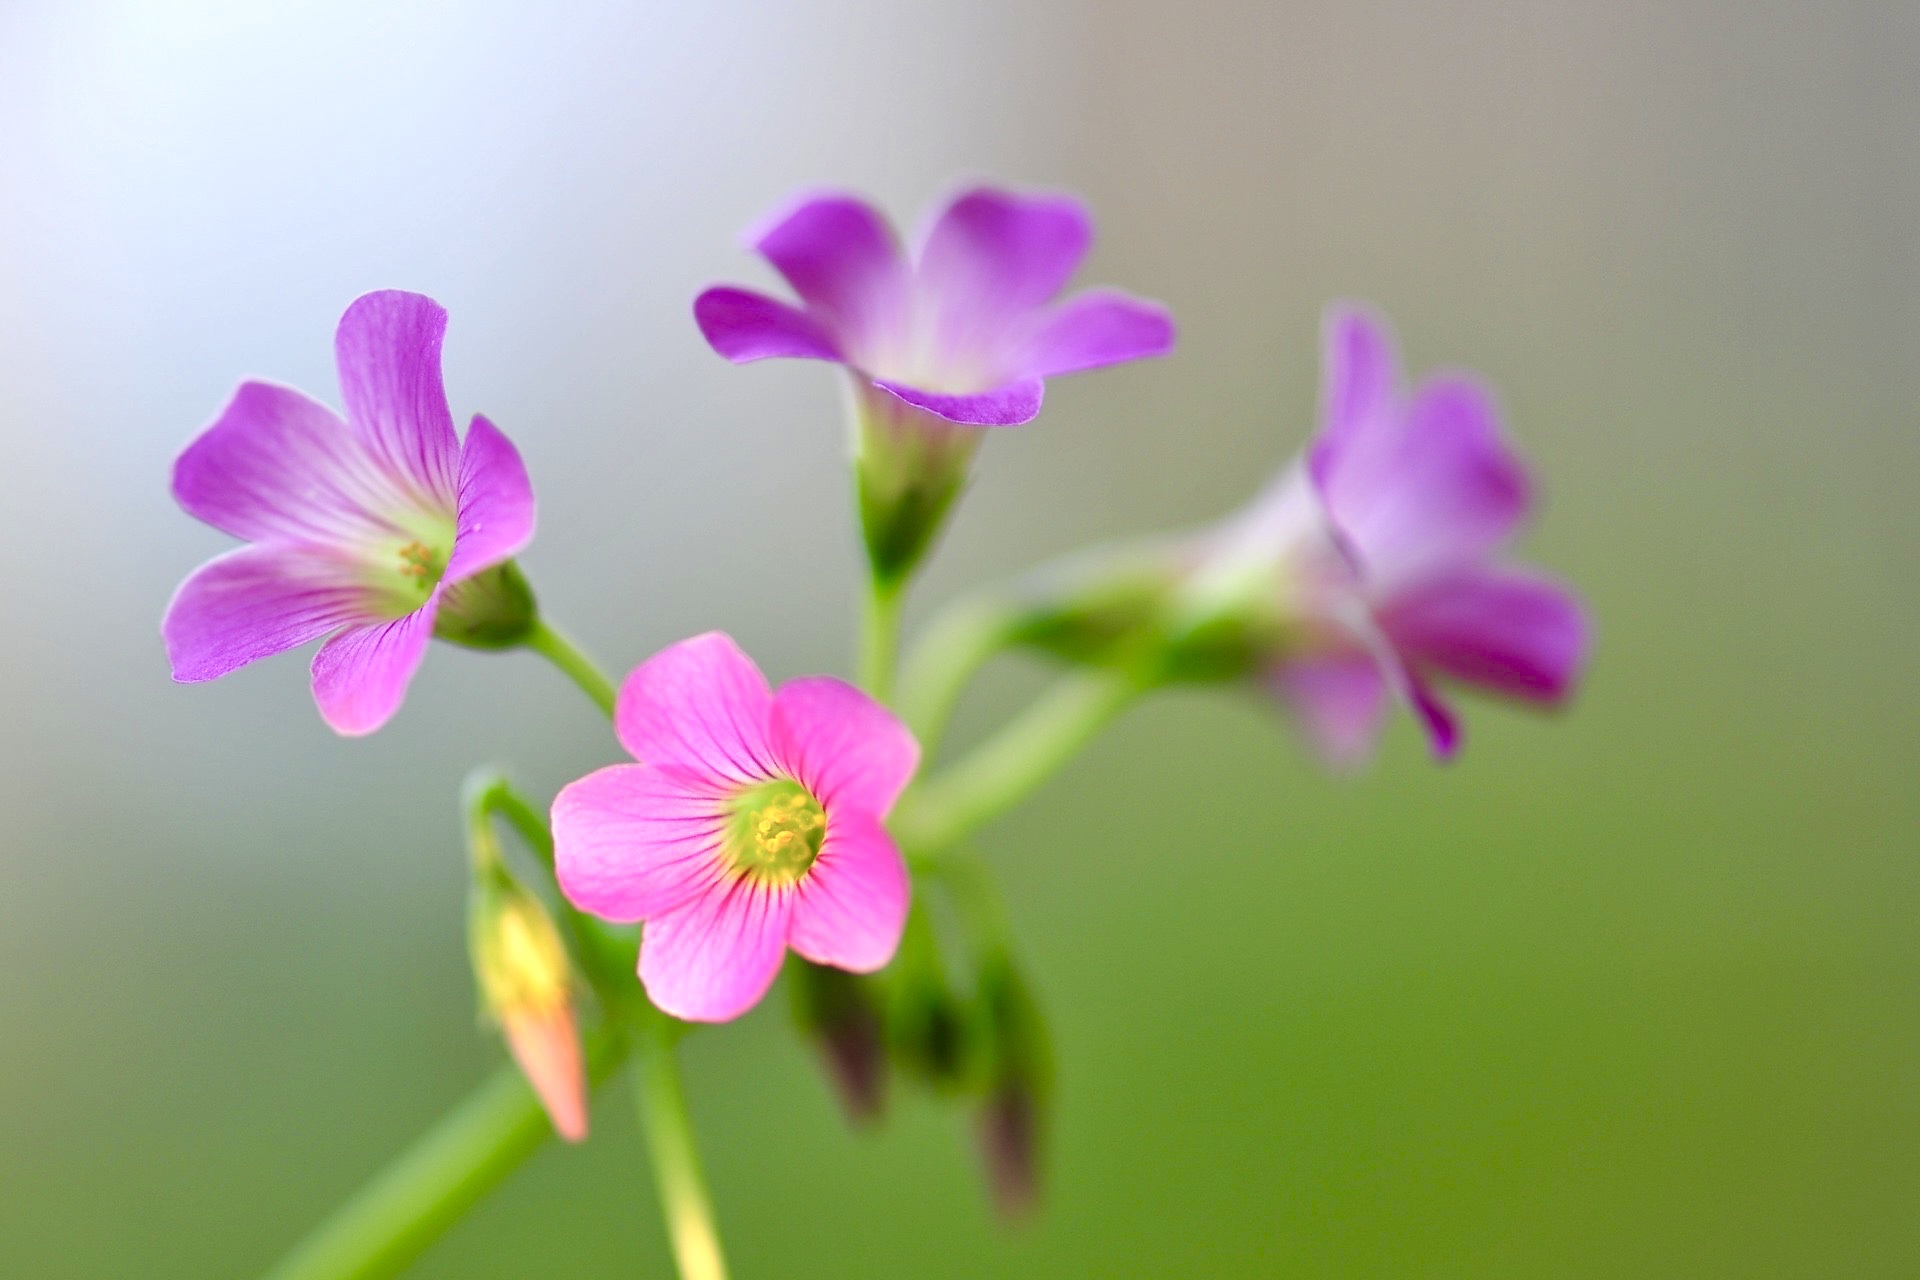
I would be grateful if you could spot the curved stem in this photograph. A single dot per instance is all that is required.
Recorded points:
(576, 666)
(956, 645)
(430, 1184)
(879, 635)
(676, 1162)
(1009, 765)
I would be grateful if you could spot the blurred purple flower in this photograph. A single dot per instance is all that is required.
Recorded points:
(356, 528)
(1389, 542)
(966, 329)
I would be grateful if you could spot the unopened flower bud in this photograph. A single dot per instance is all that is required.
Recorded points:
(526, 986)
(1012, 1120)
(494, 609)
(928, 1032)
(839, 1013)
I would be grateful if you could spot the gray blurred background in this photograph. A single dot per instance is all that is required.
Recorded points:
(1635, 992)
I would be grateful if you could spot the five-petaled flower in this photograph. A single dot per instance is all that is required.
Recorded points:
(1386, 543)
(754, 823)
(358, 528)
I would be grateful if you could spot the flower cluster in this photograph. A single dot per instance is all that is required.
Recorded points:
(760, 829)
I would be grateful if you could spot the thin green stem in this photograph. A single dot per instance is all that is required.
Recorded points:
(1008, 766)
(577, 667)
(676, 1162)
(955, 646)
(428, 1186)
(879, 635)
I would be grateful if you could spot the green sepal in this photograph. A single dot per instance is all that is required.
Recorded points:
(493, 609)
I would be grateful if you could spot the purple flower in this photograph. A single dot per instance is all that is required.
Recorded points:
(357, 530)
(966, 329)
(756, 823)
(1388, 546)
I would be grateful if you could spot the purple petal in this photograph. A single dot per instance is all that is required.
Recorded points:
(361, 675)
(714, 958)
(1359, 370)
(1098, 328)
(851, 907)
(841, 257)
(1338, 702)
(276, 464)
(842, 746)
(256, 602)
(1506, 631)
(745, 326)
(388, 351)
(1443, 489)
(992, 256)
(1007, 406)
(496, 503)
(634, 841)
(702, 705)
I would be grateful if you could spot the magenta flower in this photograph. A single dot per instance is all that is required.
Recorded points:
(966, 329)
(1390, 545)
(755, 824)
(357, 529)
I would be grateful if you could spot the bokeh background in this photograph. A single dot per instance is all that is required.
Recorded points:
(1631, 992)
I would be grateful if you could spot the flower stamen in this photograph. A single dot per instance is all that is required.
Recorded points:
(776, 832)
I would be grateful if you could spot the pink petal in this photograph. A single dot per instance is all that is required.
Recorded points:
(1007, 406)
(1359, 370)
(255, 602)
(1338, 701)
(842, 746)
(633, 841)
(1098, 328)
(993, 256)
(496, 503)
(745, 326)
(714, 958)
(387, 348)
(1444, 489)
(276, 464)
(700, 704)
(546, 1044)
(841, 257)
(1503, 630)
(361, 675)
(851, 907)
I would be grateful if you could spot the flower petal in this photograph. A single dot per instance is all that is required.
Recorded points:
(842, 746)
(1006, 406)
(1098, 328)
(276, 464)
(714, 958)
(745, 326)
(841, 257)
(1443, 489)
(633, 841)
(700, 704)
(255, 602)
(851, 907)
(1506, 631)
(993, 256)
(361, 675)
(388, 352)
(496, 503)
(1359, 370)
(1339, 703)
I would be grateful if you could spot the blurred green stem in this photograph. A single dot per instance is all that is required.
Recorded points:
(428, 1186)
(677, 1174)
(1007, 767)
(577, 667)
(879, 634)
(956, 645)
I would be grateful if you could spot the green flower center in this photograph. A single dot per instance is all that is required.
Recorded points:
(775, 832)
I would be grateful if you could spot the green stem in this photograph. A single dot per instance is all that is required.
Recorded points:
(879, 635)
(428, 1186)
(676, 1162)
(956, 645)
(577, 667)
(1008, 766)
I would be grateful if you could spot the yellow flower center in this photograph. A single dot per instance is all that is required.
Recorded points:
(776, 832)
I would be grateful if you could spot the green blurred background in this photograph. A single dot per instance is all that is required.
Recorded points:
(1630, 992)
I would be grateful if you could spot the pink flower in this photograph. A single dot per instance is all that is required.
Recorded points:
(755, 823)
(1387, 548)
(357, 529)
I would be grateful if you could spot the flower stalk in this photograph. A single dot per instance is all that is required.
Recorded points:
(678, 1176)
